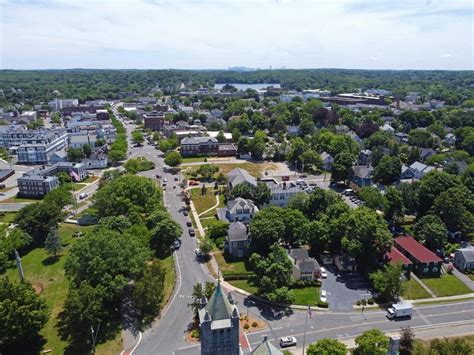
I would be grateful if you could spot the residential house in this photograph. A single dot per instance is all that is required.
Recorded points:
(227, 150)
(219, 324)
(241, 209)
(95, 161)
(464, 259)
(361, 175)
(345, 263)
(304, 267)
(239, 176)
(401, 137)
(282, 192)
(450, 139)
(425, 262)
(59, 156)
(387, 128)
(293, 130)
(355, 137)
(406, 173)
(365, 157)
(328, 161)
(341, 129)
(426, 153)
(78, 141)
(237, 240)
(419, 169)
(395, 256)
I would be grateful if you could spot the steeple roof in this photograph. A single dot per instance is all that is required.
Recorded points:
(219, 306)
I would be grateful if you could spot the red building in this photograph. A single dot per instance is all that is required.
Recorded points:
(425, 262)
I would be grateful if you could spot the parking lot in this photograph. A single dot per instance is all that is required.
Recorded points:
(344, 290)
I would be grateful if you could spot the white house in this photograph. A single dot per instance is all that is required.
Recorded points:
(419, 169)
(388, 128)
(328, 161)
(241, 210)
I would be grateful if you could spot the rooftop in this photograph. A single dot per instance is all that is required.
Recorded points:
(395, 256)
(415, 249)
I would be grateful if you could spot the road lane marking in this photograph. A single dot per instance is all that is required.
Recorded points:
(136, 345)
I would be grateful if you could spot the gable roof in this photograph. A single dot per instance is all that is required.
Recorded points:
(199, 140)
(418, 166)
(266, 348)
(240, 202)
(238, 176)
(468, 254)
(307, 265)
(362, 171)
(395, 256)
(415, 249)
(237, 231)
(299, 253)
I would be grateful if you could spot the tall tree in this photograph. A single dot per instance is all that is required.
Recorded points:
(388, 281)
(371, 342)
(327, 346)
(173, 159)
(394, 209)
(431, 231)
(388, 170)
(22, 313)
(407, 341)
(38, 219)
(266, 228)
(53, 242)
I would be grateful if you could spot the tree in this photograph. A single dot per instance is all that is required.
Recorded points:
(371, 342)
(37, 219)
(388, 170)
(207, 170)
(431, 186)
(387, 282)
(75, 154)
(273, 274)
(258, 144)
(299, 201)
(106, 260)
(394, 208)
(262, 194)
(327, 346)
(137, 137)
(307, 126)
(63, 178)
(409, 192)
(372, 197)
(148, 292)
(60, 197)
(467, 177)
(431, 231)
(236, 135)
(456, 346)
(341, 166)
(127, 195)
(22, 313)
(407, 341)
(199, 291)
(206, 246)
(217, 229)
(455, 207)
(53, 243)
(220, 137)
(266, 228)
(310, 160)
(164, 230)
(295, 224)
(173, 159)
(86, 150)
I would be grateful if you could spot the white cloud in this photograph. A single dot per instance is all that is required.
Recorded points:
(222, 33)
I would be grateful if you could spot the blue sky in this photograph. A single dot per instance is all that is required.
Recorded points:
(377, 34)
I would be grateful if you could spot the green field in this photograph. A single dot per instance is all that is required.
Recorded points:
(412, 290)
(306, 295)
(203, 202)
(225, 264)
(244, 285)
(446, 285)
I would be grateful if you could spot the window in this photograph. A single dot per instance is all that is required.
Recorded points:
(425, 270)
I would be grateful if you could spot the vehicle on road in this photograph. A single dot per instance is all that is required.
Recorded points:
(324, 296)
(176, 244)
(165, 179)
(189, 224)
(83, 195)
(186, 213)
(287, 341)
(324, 273)
(191, 231)
(400, 310)
(348, 192)
(175, 178)
(158, 176)
(198, 252)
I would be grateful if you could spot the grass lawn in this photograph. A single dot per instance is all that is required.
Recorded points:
(446, 285)
(90, 179)
(203, 202)
(254, 169)
(306, 295)
(412, 290)
(7, 217)
(48, 274)
(76, 186)
(170, 278)
(225, 264)
(194, 159)
(471, 276)
(16, 199)
(244, 285)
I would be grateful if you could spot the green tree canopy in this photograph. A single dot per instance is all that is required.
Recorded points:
(327, 346)
(388, 170)
(387, 282)
(173, 159)
(431, 231)
(37, 219)
(371, 342)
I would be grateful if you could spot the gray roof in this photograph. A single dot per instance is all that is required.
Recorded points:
(362, 171)
(199, 140)
(299, 253)
(233, 205)
(308, 265)
(237, 231)
(238, 176)
(418, 166)
(468, 254)
(266, 348)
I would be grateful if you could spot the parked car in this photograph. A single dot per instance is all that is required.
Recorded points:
(189, 224)
(191, 231)
(158, 176)
(83, 195)
(324, 273)
(186, 213)
(198, 252)
(176, 244)
(324, 296)
(175, 178)
(287, 341)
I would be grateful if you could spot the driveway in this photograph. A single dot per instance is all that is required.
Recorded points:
(344, 290)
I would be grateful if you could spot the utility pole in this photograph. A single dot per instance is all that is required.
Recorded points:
(94, 336)
(305, 324)
(19, 266)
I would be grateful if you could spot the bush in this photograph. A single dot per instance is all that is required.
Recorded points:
(358, 303)
(254, 324)
(305, 283)
(229, 276)
(246, 326)
(363, 302)
(370, 301)
(195, 334)
(322, 304)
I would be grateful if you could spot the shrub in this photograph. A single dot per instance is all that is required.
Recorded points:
(254, 324)
(229, 276)
(246, 326)
(370, 301)
(363, 302)
(195, 334)
(322, 304)
(358, 303)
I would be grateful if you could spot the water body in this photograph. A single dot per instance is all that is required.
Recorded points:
(248, 86)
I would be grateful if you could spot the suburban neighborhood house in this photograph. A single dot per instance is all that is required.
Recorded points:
(464, 259)
(304, 267)
(240, 209)
(239, 176)
(425, 262)
(237, 242)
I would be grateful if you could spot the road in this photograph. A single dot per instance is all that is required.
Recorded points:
(167, 335)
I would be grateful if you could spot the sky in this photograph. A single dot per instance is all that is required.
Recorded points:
(217, 34)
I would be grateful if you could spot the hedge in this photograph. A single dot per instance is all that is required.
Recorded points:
(229, 276)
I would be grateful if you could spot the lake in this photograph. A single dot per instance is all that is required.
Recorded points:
(248, 86)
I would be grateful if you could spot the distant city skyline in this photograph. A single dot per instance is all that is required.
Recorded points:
(218, 34)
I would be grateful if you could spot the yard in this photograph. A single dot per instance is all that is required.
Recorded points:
(90, 179)
(412, 290)
(254, 169)
(227, 265)
(203, 202)
(306, 295)
(7, 217)
(446, 285)
(244, 285)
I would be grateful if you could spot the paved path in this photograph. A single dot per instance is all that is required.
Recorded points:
(213, 207)
(464, 278)
(427, 289)
(442, 299)
(196, 219)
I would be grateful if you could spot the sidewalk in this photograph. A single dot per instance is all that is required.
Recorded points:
(441, 299)
(464, 278)
(196, 219)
